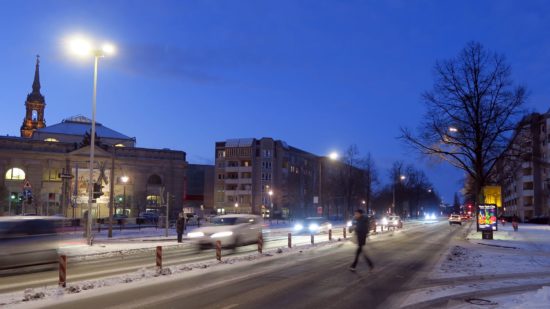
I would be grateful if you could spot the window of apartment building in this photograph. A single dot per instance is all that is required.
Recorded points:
(15, 174)
(232, 175)
(246, 163)
(267, 153)
(220, 154)
(231, 187)
(266, 176)
(246, 187)
(527, 186)
(220, 176)
(527, 171)
(266, 164)
(233, 163)
(246, 175)
(221, 164)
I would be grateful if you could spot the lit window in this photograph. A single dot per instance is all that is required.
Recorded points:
(119, 145)
(15, 174)
(51, 139)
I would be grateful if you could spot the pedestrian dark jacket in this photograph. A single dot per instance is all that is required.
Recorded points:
(180, 225)
(361, 229)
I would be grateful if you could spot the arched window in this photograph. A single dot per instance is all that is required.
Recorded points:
(34, 115)
(51, 139)
(154, 180)
(15, 174)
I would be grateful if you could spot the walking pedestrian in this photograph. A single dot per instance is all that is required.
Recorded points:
(180, 225)
(361, 228)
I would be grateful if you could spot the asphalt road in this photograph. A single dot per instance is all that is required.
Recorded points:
(100, 267)
(315, 279)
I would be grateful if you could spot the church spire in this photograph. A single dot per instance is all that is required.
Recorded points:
(36, 82)
(34, 106)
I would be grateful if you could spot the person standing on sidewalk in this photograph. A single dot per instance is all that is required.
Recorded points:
(361, 228)
(180, 225)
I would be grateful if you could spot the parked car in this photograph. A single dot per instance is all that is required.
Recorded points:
(312, 225)
(28, 241)
(455, 219)
(232, 230)
(149, 217)
(372, 224)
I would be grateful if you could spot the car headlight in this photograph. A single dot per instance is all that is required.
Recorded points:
(221, 234)
(195, 234)
(384, 221)
(298, 227)
(348, 224)
(432, 217)
(313, 227)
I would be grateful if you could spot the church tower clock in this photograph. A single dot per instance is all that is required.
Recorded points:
(35, 104)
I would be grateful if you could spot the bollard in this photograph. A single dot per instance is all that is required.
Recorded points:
(260, 242)
(312, 239)
(290, 240)
(159, 257)
(344, 233)
(218, 250)
(330, 235)
(63, 271)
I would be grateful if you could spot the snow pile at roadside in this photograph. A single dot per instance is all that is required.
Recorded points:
(37, 294)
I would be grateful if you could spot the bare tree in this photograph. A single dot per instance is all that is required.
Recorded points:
(471, 111)
(369, 179)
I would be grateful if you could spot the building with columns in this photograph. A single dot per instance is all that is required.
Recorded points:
(52, 163)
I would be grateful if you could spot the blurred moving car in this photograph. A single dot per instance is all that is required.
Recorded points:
(28, 241)
(232, 230)
(391, 221)
(455, 219)
(312, 225)
(372, 224)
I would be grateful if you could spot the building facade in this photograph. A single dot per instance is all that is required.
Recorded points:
(524, 173)
(265, 176)
(46, 170)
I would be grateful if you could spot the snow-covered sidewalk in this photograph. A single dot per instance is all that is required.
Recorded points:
(510, 271)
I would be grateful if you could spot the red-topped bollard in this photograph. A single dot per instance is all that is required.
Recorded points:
(290, 240)
(260, 242)
(62, 270)
(159, 257)
(218, 250)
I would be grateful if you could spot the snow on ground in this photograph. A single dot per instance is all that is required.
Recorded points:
(498, 270)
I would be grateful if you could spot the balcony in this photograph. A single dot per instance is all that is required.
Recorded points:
(239, 169)
(527, 178)
(242, 181)
(528, 192)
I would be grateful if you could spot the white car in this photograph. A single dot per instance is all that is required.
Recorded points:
(231, 230)
(312, 225)
(455, 219)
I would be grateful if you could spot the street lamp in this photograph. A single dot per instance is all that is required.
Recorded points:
(453, 129)
(236, 207)
(85, 48)
(401, 178)
(124, 180)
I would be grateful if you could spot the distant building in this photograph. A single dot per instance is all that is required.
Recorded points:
(524, 173)
(199, 189)
(50, 166)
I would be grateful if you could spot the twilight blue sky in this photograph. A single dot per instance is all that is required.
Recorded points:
(320, 75)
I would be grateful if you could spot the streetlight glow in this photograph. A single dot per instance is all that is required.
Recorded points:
(108, 48)
(453, 129)
(402, 177)
(80, 46)
(124, 179)
(333, 155)
(270, 192)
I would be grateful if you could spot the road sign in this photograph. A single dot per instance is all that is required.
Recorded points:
(27, 185)
(69, 176)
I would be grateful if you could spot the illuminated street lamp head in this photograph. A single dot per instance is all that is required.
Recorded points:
(124, 179)
(85, 48)
(363, 202)
(333, 155)
(402, 177)
(236, 204)
(270, 192)
(453, 129)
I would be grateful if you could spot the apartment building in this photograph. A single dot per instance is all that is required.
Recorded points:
(524, 173)
(264, 176)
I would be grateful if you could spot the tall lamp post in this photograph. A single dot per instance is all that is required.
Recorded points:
(85, 48)
(401, 178)
(332, 156)
(124, 180)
